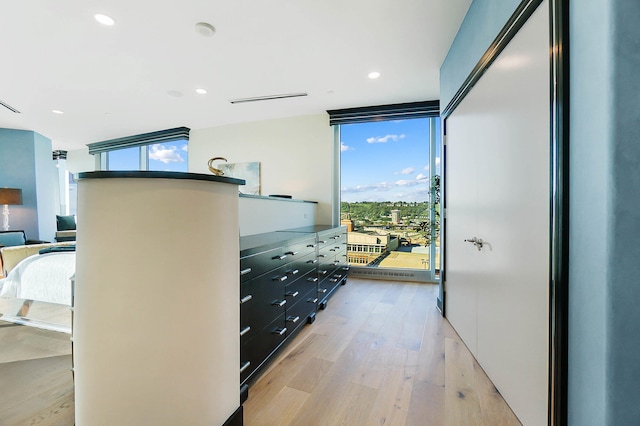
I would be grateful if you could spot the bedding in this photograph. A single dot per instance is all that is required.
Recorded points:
(41, 277)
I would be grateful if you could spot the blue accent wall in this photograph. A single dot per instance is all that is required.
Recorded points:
(481, 25)
(592, 185)
(26, 163)
(622, 304)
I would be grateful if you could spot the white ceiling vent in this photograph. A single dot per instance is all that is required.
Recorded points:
(9, 107)
(267, 98)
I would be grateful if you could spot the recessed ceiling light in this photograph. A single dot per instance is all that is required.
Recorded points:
(373, 75)
(104, 19)
(57, 111)
(205, 29)
(201, 91)
(175, 93)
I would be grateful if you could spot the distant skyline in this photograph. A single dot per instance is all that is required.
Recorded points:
(385, 161)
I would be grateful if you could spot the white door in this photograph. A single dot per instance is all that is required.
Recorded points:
(498, 190)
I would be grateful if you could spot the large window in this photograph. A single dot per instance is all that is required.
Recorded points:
(165, 150)
(389, 194)
(123, 159)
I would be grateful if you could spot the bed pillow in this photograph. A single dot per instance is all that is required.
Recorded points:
(66, 223)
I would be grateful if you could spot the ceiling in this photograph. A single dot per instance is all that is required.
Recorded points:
(140, 74)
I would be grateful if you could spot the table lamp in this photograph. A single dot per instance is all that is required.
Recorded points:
(9, 196)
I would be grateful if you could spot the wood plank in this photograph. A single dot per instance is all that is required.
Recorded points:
(394, 394)
(37, 391)
(281, 410)
(427, 405)
(413, 326)
(309, 377)
(491, 402)
(462, 403)
(431, 361)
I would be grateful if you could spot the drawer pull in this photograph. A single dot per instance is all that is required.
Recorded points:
(322, 242)
(246, 299)
(337, 276)
(333, 280)
(245, 366)
(245, 331)
(281, 279)
(314, 300)
(293, 293)
(312, 261)
(322, 290)
(294, 272)
(312, 279)
(332, 249)
(336, 262)
(284, 256)
(311, 245)
(322, 272)
(279, 303)
(245, 271)
(292, 253)
(337, 248)
(345, 268)
(293, 319)
(321, 255)
(280, 331)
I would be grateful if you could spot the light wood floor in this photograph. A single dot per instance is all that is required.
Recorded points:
(380, 354)
(35, 377)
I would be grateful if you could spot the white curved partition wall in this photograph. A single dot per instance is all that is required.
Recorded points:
(156, 308)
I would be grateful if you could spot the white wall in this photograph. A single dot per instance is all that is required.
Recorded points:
(258, 215)
(79, 160)
(295, 154)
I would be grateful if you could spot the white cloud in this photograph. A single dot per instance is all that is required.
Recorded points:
(385, 139)
(344, 147)
(165, 154)
(407, 171)
(422, 177)
(185, 147)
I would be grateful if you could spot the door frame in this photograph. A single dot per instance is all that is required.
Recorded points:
(558, 191)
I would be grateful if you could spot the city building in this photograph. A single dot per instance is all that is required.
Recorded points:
(364, 248)
(395, 217)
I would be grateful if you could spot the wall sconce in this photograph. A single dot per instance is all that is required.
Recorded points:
(9, 196)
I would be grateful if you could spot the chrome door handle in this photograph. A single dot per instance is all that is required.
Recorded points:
(476, 242)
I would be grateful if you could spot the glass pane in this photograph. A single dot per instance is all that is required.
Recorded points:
(385, 193)
(169, 156)
(124, 159)
(73, 195)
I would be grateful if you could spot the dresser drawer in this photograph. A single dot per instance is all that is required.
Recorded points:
(261, 300)
(302, 248)
(255, 351)
(260, 263)
(298, 313)
(300, 266)
(300, 288)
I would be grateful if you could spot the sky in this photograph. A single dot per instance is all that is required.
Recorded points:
(385, 160)
(170, 156)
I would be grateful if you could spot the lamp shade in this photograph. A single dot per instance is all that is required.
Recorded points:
(10, 196)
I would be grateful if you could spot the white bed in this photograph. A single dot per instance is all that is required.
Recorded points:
(38, 291)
